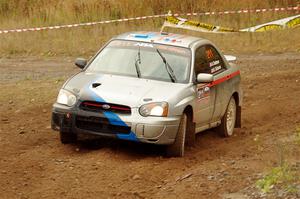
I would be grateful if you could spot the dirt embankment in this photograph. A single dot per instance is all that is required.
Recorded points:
(34, 164)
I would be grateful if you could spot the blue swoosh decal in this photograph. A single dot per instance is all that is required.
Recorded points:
(114, 119)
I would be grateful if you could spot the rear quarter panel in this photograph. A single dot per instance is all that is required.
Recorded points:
(233, 85)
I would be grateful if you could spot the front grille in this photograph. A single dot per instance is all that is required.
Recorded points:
(101, 106)
(100, 125)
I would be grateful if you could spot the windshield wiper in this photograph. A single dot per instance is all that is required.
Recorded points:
(168, 67)
(137, 63)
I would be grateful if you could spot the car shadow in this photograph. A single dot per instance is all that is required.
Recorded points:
(122, 146)
(203, 141)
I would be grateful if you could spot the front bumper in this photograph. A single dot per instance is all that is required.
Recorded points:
(134, 127)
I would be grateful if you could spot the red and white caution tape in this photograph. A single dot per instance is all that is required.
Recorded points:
(243, 11)
(80, 24)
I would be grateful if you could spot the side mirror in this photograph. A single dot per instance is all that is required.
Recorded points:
(81, 63)
(230, 58)
(205, 78)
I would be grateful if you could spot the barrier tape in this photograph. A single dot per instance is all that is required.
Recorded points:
(80, 24)
(176, 22)
(243, 11)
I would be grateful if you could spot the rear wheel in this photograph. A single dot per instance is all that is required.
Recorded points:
(67, 137)
(177, 148)
(229, 119)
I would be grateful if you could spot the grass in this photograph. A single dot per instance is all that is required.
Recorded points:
(278, 175)
(285, 176)
(84, 41)
(42, 12)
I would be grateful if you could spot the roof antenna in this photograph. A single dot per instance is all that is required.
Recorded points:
(163, 26)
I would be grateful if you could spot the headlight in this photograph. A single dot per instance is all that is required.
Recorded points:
(66, 98)
(159, 109)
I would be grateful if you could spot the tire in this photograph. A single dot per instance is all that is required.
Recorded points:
(229, 119)
(67, 137)
(177, 148)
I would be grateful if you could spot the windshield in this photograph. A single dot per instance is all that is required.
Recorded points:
(140, 59)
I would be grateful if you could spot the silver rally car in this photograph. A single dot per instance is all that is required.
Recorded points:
(151, 87)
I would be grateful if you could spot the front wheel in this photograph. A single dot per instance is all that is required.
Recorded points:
(177, 148)
(228, 121)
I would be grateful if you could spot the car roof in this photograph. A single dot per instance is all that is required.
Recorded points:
(160, 38)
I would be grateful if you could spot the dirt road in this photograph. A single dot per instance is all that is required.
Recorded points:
(33, 163)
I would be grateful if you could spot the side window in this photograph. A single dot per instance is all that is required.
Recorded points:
(201, 65)
(208, 60)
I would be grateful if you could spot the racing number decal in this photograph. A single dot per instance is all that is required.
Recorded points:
(209, 54)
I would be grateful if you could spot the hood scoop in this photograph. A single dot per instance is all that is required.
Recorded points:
(95, 85)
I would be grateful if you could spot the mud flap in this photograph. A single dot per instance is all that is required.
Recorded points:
(238, 123)
(55, 122)
(190, 134)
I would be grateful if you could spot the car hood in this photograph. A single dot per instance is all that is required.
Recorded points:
(129, 91)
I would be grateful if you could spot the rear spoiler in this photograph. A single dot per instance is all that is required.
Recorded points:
(230, 58)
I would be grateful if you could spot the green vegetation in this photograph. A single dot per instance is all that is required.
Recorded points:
(286, 176)
(282, 175)
(87, 40)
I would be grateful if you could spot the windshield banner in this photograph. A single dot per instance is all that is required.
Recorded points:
(177, 22)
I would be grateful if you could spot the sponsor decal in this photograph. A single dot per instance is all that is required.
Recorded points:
(147, 45)
(203, 92)
(213, 63)
(121, 43)
(177, 50)
(216, 69)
